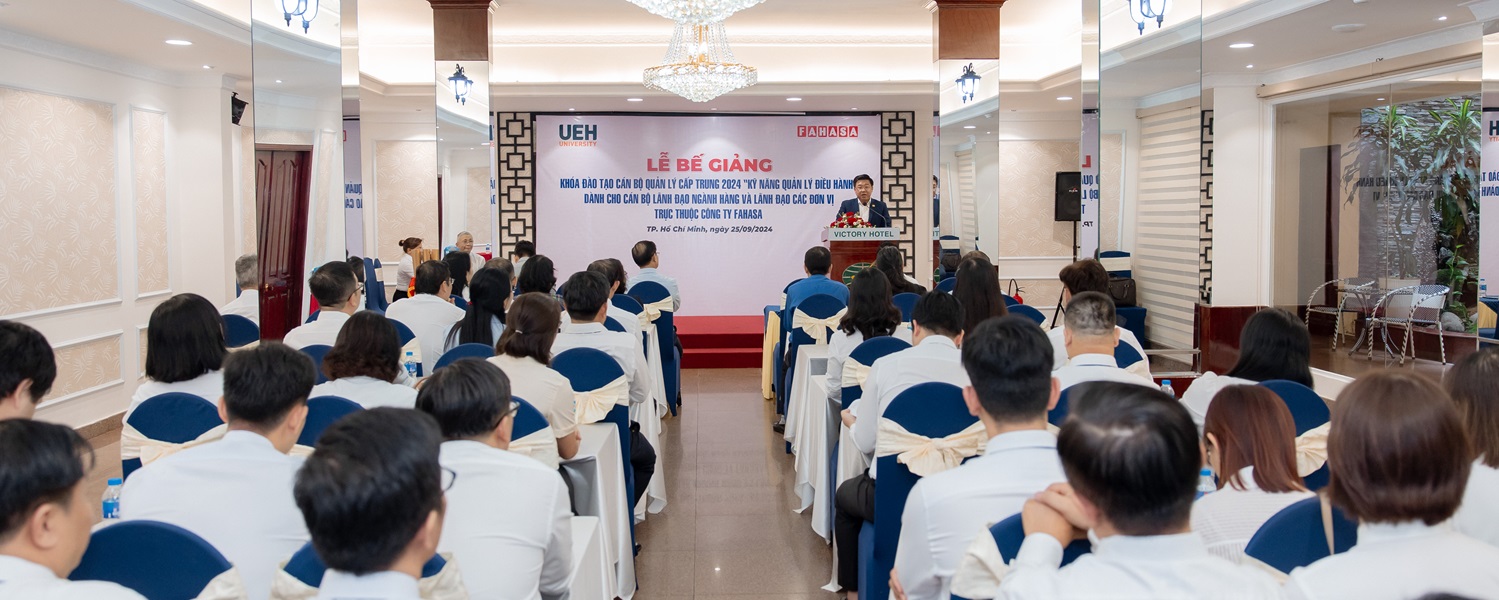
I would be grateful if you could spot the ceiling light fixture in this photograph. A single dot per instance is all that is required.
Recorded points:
(968, 83)
(695, 12)
(571, 109)
(208, 66)
(1064, 98)
(179, 42)
(793, 99)
(699, 65)
(461, 85)
(305, 9)
(634, 99)
(1241, 45)
(1442, 18)
(1379, 99)
(1249, 66)
(278, 81)
(1141, 11)
(970, 127)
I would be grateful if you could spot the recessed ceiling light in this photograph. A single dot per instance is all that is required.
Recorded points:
(179, 42)
(854, 108)
(1348, 27)
(712, 109)
(278, 81)
(1442, 18)
(1064, 98)
(208, 66)
(1249, 66)
(988, 133)
(635, 99)
(970, 127)
(572, 109)
(793, 99)
(1379, 99)
(1241, 45)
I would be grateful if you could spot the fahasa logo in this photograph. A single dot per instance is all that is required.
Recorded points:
(827, 131)
(578, 135)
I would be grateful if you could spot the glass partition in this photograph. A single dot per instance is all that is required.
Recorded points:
(464, 152)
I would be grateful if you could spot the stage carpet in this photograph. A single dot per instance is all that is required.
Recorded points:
(720, 342)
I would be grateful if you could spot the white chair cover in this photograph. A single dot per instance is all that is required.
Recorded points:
(447, 584)
(926, 456)
(134, 444)
(1311, 450)
(854, 373)
(227, 586)
(653, 310)
(817, 328)
(301, 451)
(980, 569)
(1117, 263)
(592, 406)
(540, 445)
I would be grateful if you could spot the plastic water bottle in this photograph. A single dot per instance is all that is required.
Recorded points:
(1166, 387)
(1205, 482)
(1483, 288)
(112, 498)
(413, 368)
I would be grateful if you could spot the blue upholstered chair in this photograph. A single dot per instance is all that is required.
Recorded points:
(1295, 537)
(778, 364)
(932, 410)
(459, 302)
(374, 286)
(630, 305)
(158, 560)
(317, 352)
(1009, 300)
(906, 302)
(865, 354)
(323, 411)
(820, 306)
(1057, 415)
(307, 567)
(313, 317)
(650, 292)
(1112, 266)
(587, 370)
(1029, 312)
(528, 419)
(947, 285)
(174, 417)
(1126, 355)
(240, 331)
(403, 333)
(1009, 533)
(1309, 412)
(612, 324)
(469, 350)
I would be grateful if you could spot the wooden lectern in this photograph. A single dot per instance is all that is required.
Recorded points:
(855, 248)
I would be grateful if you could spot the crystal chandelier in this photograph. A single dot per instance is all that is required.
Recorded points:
(699, 65)
(695, 12)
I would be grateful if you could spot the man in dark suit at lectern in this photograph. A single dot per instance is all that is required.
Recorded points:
(865, 205)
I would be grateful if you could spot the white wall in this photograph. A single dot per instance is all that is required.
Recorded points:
(1242, 232)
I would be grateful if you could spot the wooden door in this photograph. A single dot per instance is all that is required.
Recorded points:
(282, 185)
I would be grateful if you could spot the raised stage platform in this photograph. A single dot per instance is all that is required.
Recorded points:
(721, 342)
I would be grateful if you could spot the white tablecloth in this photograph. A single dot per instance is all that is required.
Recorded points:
(592, 574)
(598, 479)
(808, 423)
(649, 417)
(851, 462)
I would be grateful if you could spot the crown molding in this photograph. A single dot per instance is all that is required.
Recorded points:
(55, 50)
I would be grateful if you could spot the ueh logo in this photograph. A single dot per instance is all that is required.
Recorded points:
(578, 135)
(827, 131)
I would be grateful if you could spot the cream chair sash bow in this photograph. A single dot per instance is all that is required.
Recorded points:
(855, 374)
(926, 456)
(447, 584)
(592, 406)
(980, 570)
(227, 586)
(540, 445)
(134, 444)
(1311, 450)
(653, 310)
(300, 451)
(817, 329)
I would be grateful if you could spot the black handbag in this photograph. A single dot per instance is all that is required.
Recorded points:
(1122, 290)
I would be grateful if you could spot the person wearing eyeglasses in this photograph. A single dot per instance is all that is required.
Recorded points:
(236, 493)
(338, 296)
(509, 521)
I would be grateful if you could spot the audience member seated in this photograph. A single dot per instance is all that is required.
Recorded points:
(937, 324)
(339, 295)
(462, 263)
(538, 275)
(1132, 457)
(247, 276)
(406, 269)
(525, 355)
(892, 263)
(365, 364)
(236, 493)
(485, 317)
(1008, 360)
(1472, 385)
(430, 313)
(815, 263)
(184, 350)
(372, 497)
(27, 371)
(586, 295)
(47, 514)
(1274, 344)
(522, 253)
(870, 315)
(1087, 275)
(1250, 441)
(509, 520)
(1090, 337)
(978, 291)
(646, 257)
(1400, 462)
(614, 272)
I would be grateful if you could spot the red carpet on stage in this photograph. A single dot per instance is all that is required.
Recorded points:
(720, 342)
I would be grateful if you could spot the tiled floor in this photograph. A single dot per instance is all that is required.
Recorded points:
(729, 530)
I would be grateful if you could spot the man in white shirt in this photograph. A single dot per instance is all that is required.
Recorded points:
(523, 252)
(372, 496)
(46, 514)
(1009, 363)
(236, 493)
(247, 275)
(1131, 455)
(26, 373)
(1088, 275)
(509, 517)
(648, 259)
(937, 330)
(430, 313)
(338, 295)
(586, 295)
(1090, 337)
(614, 272)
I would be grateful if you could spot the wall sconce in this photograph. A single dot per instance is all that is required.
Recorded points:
(461, 85)
(1141, 11)
(307, 9)
(968, 83)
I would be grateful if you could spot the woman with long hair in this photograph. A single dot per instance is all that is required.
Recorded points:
(524, 353)
(870, 315)
(184, 350)
(485, 317)
(365, 363)
(892, 264)
(538, 275)
(406, 270)
(978, 292)
(1471, 384)
(1251, 445)
(1274, 344)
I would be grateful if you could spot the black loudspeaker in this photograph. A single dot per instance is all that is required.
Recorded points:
(236, 108)
(1069, 197)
